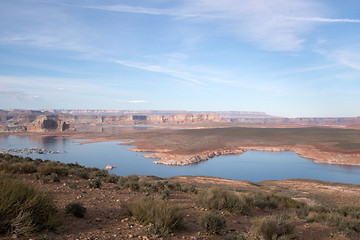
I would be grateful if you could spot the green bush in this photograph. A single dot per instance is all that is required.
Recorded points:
(218, 199)
(95, 183)
(161, 214)
(134, 186)
(319, 209)
(350, 228)
(266, 200)
(19, 167)
(350, 210)
(165, 194)
(302, 212)
(112, 178)
(236, 237)
(54, 177)
(24, 210)
(276, 228)
(261, 200)
(131, 182)
(133, 178)
(80, 173)
(49, 168)
(75, 208)
(212, 222)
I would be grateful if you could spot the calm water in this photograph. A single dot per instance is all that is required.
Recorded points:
(251, 166)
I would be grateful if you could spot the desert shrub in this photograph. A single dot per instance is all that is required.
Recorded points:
(28, 167)
(134, 186)
(45, 179)
(261, 200)
(111, 178)
(218, 199)
(266, 200)
(302, 212)
(24, 210)
(54, 177)
(350, 228)
(178, 187)
(319, 209)
(212, 222)
(193, 190)
(95, 183)
(133, 178)
(161, 184)
(288, 202)
(170, 186)
(122, 181)
(350, 210)
(71, 185)
(101, 173)
(236, 237)
(131, 182)
(20, 167)
(150, 188)
(161, 214)
(275, 228)
(80, 173)
(165, 194)
(75, 208)
(47, 169)
(4, 166)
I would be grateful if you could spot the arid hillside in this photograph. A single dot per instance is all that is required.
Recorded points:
(91, 203)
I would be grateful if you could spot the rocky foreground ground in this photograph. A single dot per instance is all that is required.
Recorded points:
(313, 209)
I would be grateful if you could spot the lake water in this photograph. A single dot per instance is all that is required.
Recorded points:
(251, 166)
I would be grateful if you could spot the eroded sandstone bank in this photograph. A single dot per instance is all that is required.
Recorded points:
(306, 151)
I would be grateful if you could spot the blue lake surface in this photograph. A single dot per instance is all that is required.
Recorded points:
(251, 166)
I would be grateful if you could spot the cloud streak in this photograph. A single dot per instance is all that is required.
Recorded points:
(261, 21)
(141, 10)
(160, 69)
(325, 20)
(133, 101)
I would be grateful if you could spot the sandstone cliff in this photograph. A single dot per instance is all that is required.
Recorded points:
(45, 124)
(141, 119)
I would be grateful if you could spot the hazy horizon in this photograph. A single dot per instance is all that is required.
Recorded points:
(174, 112)
(285, 58)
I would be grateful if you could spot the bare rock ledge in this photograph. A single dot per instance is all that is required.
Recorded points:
(306, 151)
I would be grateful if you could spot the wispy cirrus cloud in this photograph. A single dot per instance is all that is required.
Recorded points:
(325, 20)
(185, 76)
(264, 22)
(143, 10)
(132, 101)
(344, 57)
(40, 24)
(276, 25)
(349, 59)
(306, 69)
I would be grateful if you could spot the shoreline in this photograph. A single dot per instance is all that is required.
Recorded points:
(187, 150)
(308, 152)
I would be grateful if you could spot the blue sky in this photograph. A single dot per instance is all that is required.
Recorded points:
(286, 58)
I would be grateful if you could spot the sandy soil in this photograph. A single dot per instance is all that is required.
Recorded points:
(106, 219)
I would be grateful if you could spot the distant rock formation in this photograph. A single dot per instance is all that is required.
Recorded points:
(336, 122)
(45, 124)
(141, 119)
(98, 120)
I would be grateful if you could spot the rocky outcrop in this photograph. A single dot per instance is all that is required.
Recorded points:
(45, 124)
(183, 119)
(336, 122)
(306, 151)
(180, 160)
(125, 120)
